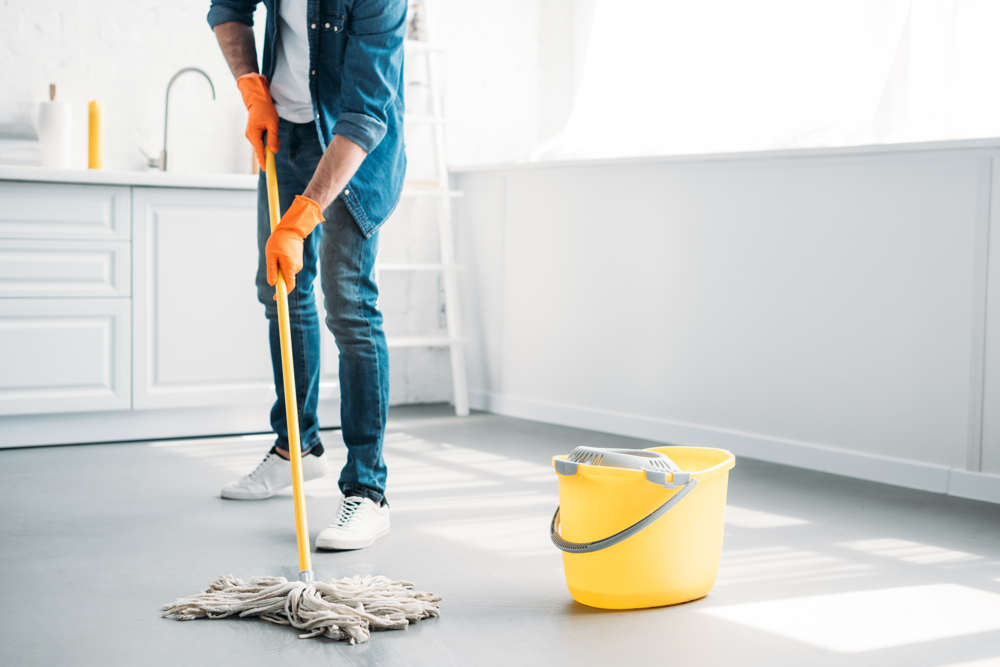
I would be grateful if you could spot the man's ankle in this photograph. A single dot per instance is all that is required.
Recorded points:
(315, 450)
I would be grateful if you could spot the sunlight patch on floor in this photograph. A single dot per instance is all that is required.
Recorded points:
(407, 475)
(465, 457)
(452, 454)
(910, 552)
(404, 442)
(396, 488)
(784, 565)
(870, 620)
(237, 455)
(548, 477)
(494, 464)
(743, 517)
(521, 536)
(477, 503)
(420, 466)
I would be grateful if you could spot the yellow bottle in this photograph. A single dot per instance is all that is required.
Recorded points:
(95, 148)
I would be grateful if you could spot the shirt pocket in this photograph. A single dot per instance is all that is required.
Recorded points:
(332, 25)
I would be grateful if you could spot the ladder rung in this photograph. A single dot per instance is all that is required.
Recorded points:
(417, 46)
(394, 266)
(423, 119)
(442, 340)
(427, 190)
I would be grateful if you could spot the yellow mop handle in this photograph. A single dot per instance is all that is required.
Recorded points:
(288, 375)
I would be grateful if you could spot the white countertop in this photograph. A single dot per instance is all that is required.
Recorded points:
(986, 143)
(145, 178)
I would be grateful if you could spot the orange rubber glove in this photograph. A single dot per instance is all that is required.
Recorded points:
(261, 115)
(284, 246)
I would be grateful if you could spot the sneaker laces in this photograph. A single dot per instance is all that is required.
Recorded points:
(348, 509)
(260, 466)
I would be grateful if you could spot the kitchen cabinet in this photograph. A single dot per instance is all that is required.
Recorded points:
(128, 308)
(42, 210)
(55, 268)
(65, 316)
(62, 355)
(200, 334)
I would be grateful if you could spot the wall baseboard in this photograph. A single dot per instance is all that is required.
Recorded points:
(872, 467)
(974, 485)
(72, 428)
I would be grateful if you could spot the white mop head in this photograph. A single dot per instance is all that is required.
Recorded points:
(349, 608)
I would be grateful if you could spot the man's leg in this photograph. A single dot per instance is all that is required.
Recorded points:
(273, 473)
(301, 301)
(352, 314)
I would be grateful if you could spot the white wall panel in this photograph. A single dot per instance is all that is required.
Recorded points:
(990, 456)
(479, 241)
(820, 310)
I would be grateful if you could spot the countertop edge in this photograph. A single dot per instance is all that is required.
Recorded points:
(985, 143)
(129, 178)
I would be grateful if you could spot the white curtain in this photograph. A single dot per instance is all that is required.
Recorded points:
(660, 77)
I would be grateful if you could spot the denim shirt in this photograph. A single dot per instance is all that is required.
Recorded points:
(356, 83)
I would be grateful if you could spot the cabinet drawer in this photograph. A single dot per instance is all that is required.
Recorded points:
(64, 355)
(64, 211)
(64, 268)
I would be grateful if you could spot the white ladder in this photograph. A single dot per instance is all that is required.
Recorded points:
(440, 190)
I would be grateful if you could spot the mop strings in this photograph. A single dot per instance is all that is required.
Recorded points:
(342, 609)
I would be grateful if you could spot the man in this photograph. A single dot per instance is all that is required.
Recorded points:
(328, 101)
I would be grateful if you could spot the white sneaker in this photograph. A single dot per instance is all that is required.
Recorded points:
(359, 523)
(272, 475)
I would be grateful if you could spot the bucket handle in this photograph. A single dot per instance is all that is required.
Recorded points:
(686, 485)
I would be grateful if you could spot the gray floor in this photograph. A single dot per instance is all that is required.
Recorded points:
(817, 569)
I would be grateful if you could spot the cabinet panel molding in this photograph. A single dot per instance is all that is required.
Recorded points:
(200, 334)
(64, 355)
(64, 268)
(64, 211)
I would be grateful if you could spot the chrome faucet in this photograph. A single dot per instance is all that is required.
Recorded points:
(161, 162)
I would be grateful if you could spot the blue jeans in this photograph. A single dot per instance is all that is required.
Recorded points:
(346, 260)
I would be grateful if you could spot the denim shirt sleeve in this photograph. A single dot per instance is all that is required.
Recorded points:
(373, 63)
(224, 11)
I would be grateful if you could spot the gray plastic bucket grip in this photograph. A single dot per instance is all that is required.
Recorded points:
(622, 535)
(564, 467)
(659, 477)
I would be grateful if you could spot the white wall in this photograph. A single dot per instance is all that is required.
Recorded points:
(819, 309)
(491, 67)
(123, 52)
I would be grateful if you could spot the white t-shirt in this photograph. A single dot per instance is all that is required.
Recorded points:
(290, 83)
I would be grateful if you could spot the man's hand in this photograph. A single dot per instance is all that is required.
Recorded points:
(261, 114)
(284, 247)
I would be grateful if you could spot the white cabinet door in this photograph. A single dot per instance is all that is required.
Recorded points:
(200, 334)
(63, 211)
(64, 355)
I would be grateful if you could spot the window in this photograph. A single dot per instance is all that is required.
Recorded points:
(675, 76)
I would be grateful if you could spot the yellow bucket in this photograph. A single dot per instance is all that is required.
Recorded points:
(642, 538)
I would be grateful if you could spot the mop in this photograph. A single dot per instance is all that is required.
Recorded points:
(342, 609)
